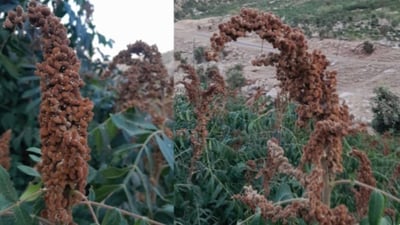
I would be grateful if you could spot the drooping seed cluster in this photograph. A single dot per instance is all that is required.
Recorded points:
(303, 75)
(364, 174)
(64, 115)
(5, 150)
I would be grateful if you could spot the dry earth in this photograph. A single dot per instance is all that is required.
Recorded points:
(358, 73)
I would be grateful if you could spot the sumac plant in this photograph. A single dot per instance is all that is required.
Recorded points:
(304, 77)
(114, 171)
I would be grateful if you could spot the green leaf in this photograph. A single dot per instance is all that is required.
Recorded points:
(376, 207)
(92, 174)
(29, 171)
(32, 105)
(91, 195)
(34, 150)
(364, 221)
(11, 68)
(284, 192)
(112, 217)
(35, 158)
(105, 190)
(31, 92)
(385, 221)
(257, 219)
(7, 189)
(31, 193)
(114, 173)
(4, 203)
(103, 133)
(167, 148)
(133, 126)
(22, 217)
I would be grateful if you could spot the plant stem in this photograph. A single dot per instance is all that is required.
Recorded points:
(96, 221)
(366, 186)
(291, 200)
(326, 191)
(6, 210)
(122, 212)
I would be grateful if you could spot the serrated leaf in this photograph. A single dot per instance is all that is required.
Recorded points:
(28, 171)
(31, 192)
(105, 190)
(114, 173)
(167, 148)
(34, 150)
(22, 217)
(112, 217)
(7, 189)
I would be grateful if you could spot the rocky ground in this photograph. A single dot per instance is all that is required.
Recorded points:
(358, 73)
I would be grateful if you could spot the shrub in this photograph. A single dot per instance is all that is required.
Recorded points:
(235, 78)
(386, 110)
(368, 47)
(198, 55)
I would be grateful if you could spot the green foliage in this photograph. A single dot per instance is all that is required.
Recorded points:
(376, 207)
(386, 109)
(235, 78)
(236, 136)
(357, 19)
(198, 55)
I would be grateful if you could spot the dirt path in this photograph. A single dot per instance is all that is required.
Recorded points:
(358, 74)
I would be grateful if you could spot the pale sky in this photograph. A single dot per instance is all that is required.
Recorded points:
(126, 21)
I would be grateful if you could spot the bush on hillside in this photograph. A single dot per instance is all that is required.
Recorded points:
(386, 109)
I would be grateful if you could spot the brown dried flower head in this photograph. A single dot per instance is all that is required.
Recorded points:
(64, 116)
(145, 84)
(202, 100)
(5, 149)
(304, 78)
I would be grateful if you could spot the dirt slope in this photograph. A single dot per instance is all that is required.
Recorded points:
(358, 74)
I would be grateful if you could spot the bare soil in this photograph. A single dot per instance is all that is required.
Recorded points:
(358, 73)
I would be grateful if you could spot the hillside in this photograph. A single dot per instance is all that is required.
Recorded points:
(358, 73)
(372, 19)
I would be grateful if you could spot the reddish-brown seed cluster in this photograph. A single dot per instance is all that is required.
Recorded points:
(202, 100)
(145, 84)
(64, 116)
(5, 150)
(364, 175)
(304, 78)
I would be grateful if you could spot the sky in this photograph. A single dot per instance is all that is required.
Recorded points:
(126, 21)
